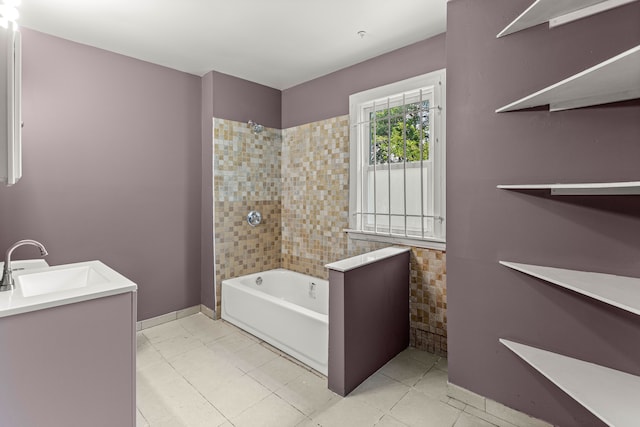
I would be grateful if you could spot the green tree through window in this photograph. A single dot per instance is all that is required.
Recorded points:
(391, 124)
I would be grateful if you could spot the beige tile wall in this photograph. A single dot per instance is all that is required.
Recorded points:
(299, 179)
(246, 176)
(315, 187)
(428, 300)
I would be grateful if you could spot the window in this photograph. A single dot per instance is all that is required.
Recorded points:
(397, 172)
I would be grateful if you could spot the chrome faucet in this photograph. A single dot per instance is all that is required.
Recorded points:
(6, 283)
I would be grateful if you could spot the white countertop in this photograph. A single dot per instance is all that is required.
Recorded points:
(368, 258)
(108, 282)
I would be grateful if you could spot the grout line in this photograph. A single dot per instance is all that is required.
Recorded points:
(197, 390)
(138, 411)
(398, 401)
(203, 396)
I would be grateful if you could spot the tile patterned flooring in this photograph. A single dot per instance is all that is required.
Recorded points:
(198, 372)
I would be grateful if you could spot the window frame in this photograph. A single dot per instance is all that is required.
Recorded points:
(358, 103)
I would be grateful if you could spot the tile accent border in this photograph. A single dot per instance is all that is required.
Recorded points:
(492, 411)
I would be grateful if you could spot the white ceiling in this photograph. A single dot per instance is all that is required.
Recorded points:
(278, 43)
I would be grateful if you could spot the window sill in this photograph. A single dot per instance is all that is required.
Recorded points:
(431, 243)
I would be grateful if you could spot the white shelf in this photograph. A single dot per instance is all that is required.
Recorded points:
(610, 395)
(619, 291)
(616, 79)
(558, 12)
(593, 188)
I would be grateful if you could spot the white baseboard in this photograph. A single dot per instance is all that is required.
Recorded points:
(168, 317)
(492, 411)
(207, 311)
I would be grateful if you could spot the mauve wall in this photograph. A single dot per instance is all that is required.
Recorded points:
(328, 96)
(488, 301)
(241, 100)
(111, 162)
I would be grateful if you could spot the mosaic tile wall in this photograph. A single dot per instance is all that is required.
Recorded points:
(246, 176)
(315, 186)
(315, 205)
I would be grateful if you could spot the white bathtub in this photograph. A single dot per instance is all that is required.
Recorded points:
(288, 310)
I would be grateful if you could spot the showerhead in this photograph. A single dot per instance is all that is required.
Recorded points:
(256, 127)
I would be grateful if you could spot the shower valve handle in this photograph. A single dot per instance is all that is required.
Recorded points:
(254, 218)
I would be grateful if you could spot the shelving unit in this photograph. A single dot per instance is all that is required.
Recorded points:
(616, 79)
(619, 291)
(558, 12)
(610, 395)
(593, 188)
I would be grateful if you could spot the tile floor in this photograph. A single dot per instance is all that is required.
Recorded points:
(198, 372)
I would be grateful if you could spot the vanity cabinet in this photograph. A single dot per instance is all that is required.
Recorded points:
(70, 365)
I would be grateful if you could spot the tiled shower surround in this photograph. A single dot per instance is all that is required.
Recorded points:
(315, 195)
(246, 177)
(299, 179)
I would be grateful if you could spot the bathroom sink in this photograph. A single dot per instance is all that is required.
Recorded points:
(39, 286)
(56, 280)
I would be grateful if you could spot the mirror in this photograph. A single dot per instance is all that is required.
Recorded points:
(10, 98)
